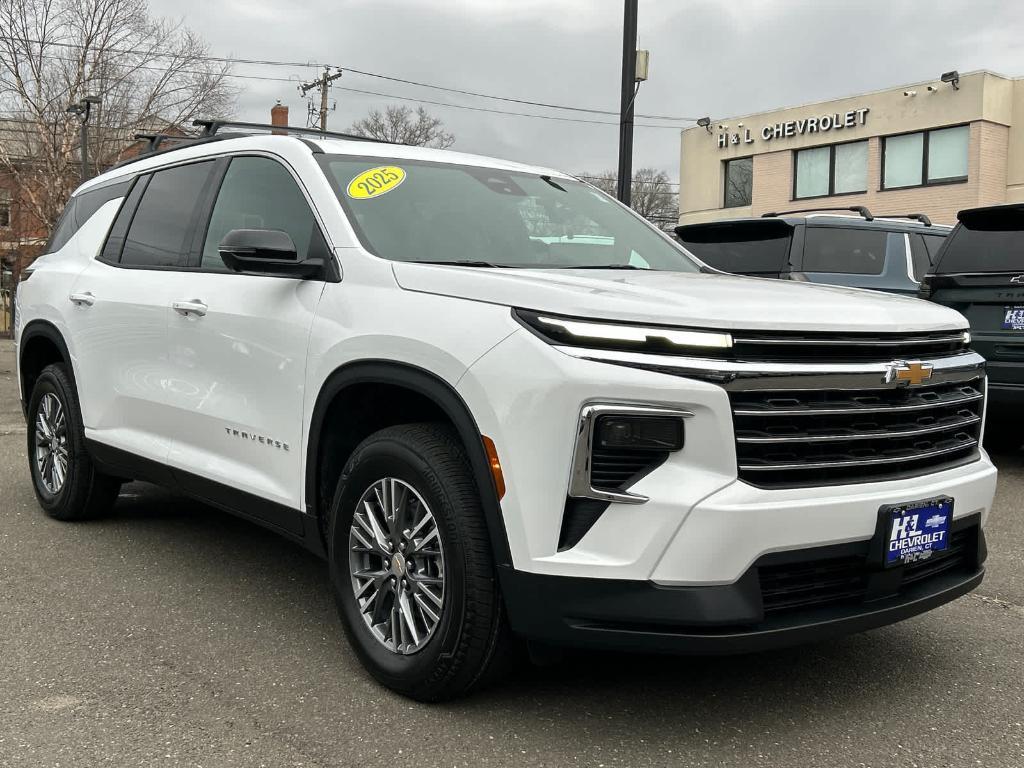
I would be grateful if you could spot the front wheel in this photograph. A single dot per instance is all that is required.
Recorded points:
(411, 565)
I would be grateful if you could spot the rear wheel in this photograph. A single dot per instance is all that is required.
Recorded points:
(67, 484)
(411, 565)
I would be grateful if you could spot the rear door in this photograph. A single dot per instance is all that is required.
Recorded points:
(759, 247)
(119, 312)
(980, 273)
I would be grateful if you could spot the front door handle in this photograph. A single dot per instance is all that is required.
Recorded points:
(82, 299)
(193, 307)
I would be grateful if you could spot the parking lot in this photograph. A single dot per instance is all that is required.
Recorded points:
(173, 634)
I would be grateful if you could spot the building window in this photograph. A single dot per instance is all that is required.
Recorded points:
(839, 169)
(739, 182)
(927, 157)
(5, 208)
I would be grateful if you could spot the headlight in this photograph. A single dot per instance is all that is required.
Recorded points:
(605, 334)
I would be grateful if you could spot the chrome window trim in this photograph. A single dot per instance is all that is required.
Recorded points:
(580, 486)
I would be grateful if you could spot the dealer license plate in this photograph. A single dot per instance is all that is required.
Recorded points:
(1013, 320)
(916, 531)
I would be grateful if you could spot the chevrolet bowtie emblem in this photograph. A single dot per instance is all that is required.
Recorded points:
(1017, 279)
(910, 374)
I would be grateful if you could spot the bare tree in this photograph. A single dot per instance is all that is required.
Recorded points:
(149, 73)
(651, 193)
(402, 125)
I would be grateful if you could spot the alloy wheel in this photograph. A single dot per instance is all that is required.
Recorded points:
(396, 563)
(52, 451)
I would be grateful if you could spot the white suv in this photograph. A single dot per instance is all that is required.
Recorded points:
(499, 403)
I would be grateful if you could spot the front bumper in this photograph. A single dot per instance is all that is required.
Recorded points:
(844, 593)
(701, 526)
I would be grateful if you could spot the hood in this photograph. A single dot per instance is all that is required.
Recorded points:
(728, 302)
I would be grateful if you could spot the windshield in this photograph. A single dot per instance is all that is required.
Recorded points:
(432, 212)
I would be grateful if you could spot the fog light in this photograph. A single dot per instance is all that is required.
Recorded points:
(640, 433)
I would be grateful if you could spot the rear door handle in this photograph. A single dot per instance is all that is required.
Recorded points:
(193, 307)
(82, 299)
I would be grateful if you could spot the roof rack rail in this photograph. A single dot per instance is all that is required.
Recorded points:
(211, 128)
(859, 209)
(156, 140)
(923, 218)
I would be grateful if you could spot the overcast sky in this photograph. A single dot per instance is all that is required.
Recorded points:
(719, 58)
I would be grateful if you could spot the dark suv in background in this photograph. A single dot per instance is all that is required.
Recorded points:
(979, 272)
(887, 253)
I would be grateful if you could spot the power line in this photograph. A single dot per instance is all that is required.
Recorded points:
(396, 97)
(364, 73)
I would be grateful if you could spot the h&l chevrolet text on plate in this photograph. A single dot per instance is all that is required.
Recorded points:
(500, 404)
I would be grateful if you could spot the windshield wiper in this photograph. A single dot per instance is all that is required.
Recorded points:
(607, 266)
(465, 263)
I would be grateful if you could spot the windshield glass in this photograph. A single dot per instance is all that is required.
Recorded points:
(432, 212)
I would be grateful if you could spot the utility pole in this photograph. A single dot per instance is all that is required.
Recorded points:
(82, 110)
(625, 175)
(323, 83)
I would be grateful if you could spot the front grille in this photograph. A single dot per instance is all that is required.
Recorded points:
(849, 347)
(845, 580)
(788, 438)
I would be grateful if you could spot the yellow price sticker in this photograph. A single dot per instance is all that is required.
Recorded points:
(375, 182)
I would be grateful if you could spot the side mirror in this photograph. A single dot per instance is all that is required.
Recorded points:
(266, 252)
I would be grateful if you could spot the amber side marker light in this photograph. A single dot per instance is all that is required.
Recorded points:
(495, 465)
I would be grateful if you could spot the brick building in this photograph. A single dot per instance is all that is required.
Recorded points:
(933, 147)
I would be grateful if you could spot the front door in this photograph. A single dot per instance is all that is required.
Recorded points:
(237, 347)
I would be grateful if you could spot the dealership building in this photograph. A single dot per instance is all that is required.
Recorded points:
(934, 147)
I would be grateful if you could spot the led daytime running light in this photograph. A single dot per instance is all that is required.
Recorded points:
(639, 334)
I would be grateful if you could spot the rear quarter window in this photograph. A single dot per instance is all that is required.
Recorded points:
(844, 251)
(80, 209)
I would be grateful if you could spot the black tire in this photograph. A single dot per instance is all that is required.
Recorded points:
(471, 642)
(84, 491)
(1002, 433)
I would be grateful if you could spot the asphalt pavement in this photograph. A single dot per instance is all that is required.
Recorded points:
(171, 634)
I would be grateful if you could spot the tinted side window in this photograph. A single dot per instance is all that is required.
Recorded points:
(80, 209)
(259, 193)
(159, 234)
(919, 257)
(65, 228)
(848, 251)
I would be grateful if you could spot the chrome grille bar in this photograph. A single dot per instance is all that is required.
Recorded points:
(857, 462)
(965, 422)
